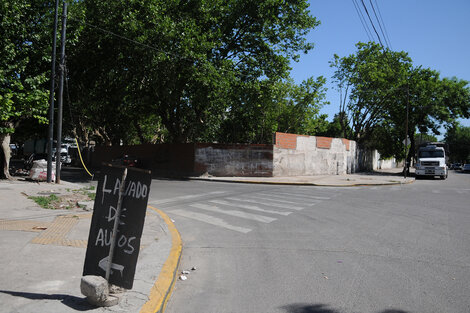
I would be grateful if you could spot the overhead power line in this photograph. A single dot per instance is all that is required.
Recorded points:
(384, 28)
(372, 23)
(363, 22)
(117, 35)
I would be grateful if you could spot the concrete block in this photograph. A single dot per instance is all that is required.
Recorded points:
(96, 290)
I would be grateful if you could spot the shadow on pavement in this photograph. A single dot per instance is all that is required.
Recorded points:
(386, 173)
(308, 308)
(323, 308)
(75, 175)
(76, 303)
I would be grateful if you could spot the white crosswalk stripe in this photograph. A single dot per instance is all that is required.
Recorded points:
(209, 220)
(241, 214)
(249, 207)
(306, 196)
(283, 206)
(270, 197)
(200, 195)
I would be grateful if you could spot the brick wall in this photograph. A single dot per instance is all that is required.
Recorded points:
(286, 141)
(324, 142)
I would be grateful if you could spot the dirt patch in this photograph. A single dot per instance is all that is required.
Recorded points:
(67, 201)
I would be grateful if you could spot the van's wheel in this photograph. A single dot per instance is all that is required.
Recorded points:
(443, 177)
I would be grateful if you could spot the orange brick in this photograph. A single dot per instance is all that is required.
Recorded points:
(346, 143)
(324, 142)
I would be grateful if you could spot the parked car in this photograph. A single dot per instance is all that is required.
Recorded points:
(456, 166)
(466, 167)
(126, 160)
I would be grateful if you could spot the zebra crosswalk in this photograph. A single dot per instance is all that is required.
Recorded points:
(240, 213)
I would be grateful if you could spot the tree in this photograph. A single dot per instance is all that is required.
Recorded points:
(458, 139)
(300, 110)
(432, 102)
(382, 95)
(280, 106)
(24, 58)
(187, 65)
(335, 127)
(368, 82)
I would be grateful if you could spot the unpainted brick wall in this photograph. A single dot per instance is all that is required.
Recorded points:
(286, 141)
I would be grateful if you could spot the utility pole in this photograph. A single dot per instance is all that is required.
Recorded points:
(50, 136)
(61, 92)
(406, 167)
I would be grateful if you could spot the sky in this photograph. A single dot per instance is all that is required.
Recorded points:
(435, 33)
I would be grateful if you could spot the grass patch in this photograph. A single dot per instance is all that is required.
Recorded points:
(46, 202)
(91, 195)
(86, 191)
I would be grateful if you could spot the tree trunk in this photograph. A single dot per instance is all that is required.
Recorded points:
(5, 155)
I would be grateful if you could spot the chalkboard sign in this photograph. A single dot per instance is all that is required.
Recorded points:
(134, 205)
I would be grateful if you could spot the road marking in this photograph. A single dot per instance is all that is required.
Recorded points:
(187, 197)
(249, 216)
(249, 207)
(210, 220)
(283, 206)
(303, 196)
(270, 198)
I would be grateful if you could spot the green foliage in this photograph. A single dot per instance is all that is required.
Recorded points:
(383, 95)
(336, 128)
(279, 106)
(423, 138)
(458, 139)
(24, 55)
(192, 70)
(370, 82)
(46, 202)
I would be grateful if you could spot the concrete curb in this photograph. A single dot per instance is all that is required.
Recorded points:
(163, 287)
(300, 183)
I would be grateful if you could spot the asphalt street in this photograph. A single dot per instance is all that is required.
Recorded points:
(293, 249)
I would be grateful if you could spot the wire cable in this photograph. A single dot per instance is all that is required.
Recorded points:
(117, 35)
(380, 25)
(361, 18)
(387, 38)
(371, 22)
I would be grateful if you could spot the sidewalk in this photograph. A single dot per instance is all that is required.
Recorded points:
(378, 178)
(43, 251)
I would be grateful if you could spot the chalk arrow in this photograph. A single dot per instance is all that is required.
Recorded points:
(103, 264)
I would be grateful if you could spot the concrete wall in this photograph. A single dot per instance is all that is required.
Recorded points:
(234, 160)
(310, 155)
(291, 155)
(194, 159)
(370, 160)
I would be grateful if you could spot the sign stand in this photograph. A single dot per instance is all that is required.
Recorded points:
(116, 224)
(115, 232)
